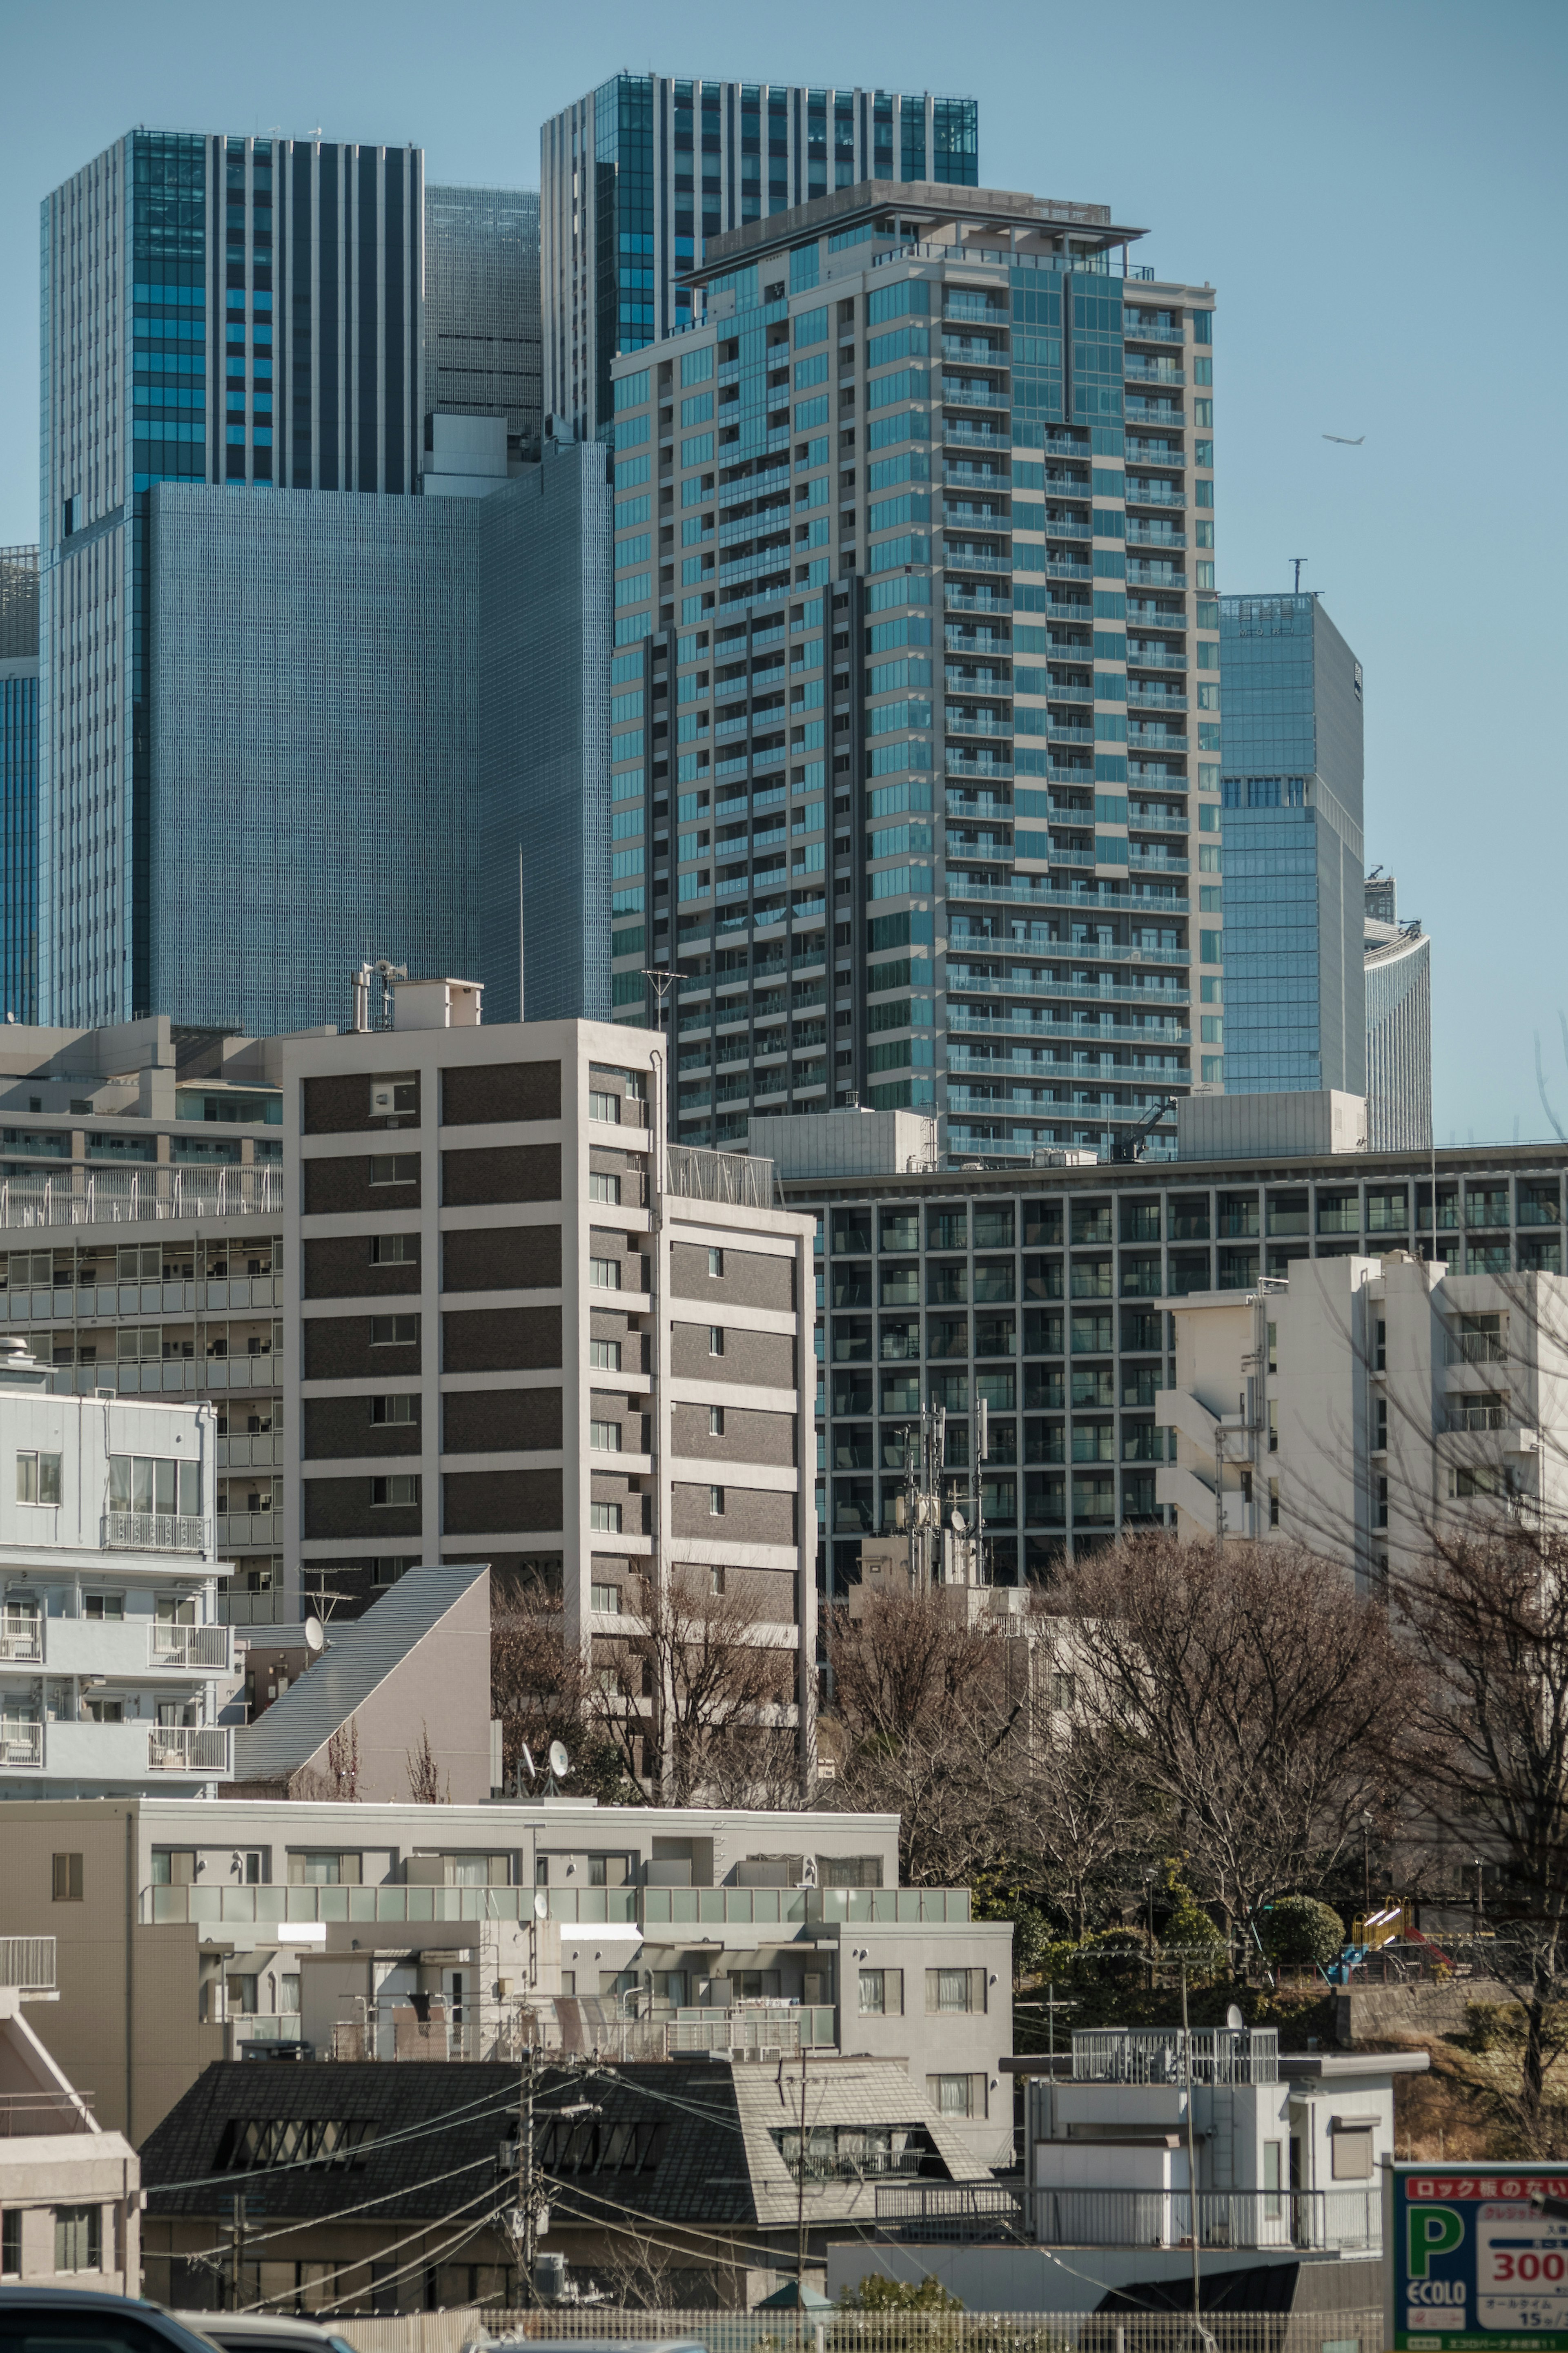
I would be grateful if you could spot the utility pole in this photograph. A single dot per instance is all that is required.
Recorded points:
(800, 2215)
(1198, 2329)
(1297, 561)
(237, 2257)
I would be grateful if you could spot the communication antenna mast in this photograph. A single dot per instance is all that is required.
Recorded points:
(1297, 561)
(387, 973)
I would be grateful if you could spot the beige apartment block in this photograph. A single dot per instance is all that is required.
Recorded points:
(69, 2192)
(523, 1328)
(1367, 1406)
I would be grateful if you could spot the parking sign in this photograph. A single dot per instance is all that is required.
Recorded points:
(1470, 2266)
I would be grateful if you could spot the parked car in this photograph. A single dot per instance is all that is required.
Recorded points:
(265, 2332)
(48, 2319)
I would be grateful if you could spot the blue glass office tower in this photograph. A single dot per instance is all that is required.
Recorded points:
(1294, 998)
(20, 783)
(235, 311)
(634, 177)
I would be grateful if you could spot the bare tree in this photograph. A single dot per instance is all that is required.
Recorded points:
(1258, 1698)
(543, 1688)
(1080, 1814)
(1489, 1619)
(340, 1781)
(697, 1695)
(425, 1773)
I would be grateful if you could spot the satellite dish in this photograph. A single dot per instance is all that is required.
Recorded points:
(314, 1638)
(1234, 2018)
(560, 1763)
(528, 1760)
(542, 1906)
(958, 1522)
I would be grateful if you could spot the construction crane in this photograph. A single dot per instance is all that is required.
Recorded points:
(1131, 1145)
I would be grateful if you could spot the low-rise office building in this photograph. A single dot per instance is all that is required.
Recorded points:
(207, 1930)
(1047, 1295)
(1369, 1408)
(113, 1663)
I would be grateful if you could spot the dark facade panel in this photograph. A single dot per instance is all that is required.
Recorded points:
(750, 1359)
(500, 1339)
(341, 1187)
(344, 1426)
(478, 1502)
(490, 1093)
(340, 1349)
(342, 1507)
(339, 1266)
(501, 1258)
(496, 1173)
(501, 1422)
(749, 1279)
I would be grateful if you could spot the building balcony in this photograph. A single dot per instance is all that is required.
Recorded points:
(120, 1648)
(89, 1751)
(1137, 371)
(89, 1197)
(155, 1532)
(1148, 698)
(1342, 2220)
(977, 559)
(1131, 332)
(1140, 493)
(1154, 575)
(762, 2030)
(27, 1964)
(648, 1908)
(1153, 656)
(973, 393)
(960, 432)
(187, 1747)
(1155, 739)
(202, 1649)
(1146, 536)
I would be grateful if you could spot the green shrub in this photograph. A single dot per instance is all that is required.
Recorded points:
(1301, 1930)
(876, 2294)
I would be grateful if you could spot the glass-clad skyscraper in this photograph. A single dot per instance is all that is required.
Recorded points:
(1294, 1011)
(914, 595)
(236, 312)
(481, 308)
(635, 176)
(20, 783)
(1398, 966)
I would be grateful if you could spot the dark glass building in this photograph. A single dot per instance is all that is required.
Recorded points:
(20, 783)
(481, 308)
(634, 177)
(1294, 1015)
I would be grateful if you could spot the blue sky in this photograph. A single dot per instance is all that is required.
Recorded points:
(1376, 191)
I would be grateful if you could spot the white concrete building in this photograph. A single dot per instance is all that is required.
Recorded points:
(69, 2192)
(1363, 1405)
(113, 1665)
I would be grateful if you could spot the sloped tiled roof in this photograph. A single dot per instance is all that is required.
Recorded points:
(361, 1653)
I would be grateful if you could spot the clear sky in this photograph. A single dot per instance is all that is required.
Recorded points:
(1374, 187)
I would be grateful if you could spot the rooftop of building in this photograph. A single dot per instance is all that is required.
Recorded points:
(921, 212)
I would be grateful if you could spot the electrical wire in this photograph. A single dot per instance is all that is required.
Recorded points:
(499, 2099)
(338, 2214)
(421, 2262)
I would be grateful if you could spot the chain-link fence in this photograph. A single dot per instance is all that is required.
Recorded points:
(1358, 2330)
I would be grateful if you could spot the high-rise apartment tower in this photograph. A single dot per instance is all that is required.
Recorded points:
(914, 597)
(637, 174)
(242, 312)
(1398, 961)
(481, 308)
(1294, 1015)
(20, 783)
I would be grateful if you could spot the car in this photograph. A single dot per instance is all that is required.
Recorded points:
(265, 2332)
(50, 2319)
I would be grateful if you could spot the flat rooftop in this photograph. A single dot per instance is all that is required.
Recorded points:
(913, 212)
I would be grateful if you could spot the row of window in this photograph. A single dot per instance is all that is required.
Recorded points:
(947, 1991)
(137, 1483)
(78, 2240)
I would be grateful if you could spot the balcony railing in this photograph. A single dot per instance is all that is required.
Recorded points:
(769, 2031)
(21, 1634)
(1307, 2219)
(155, 1532)
(91, 1197)
(188, 1749)
(21, 1742)
(844, 2165)
(1480, 1417)
(23, 2114)
(644, 1907)
(1475, 1348)
(729, 1178)
(1166, 2055)
(189, 1646)
(27, 1963)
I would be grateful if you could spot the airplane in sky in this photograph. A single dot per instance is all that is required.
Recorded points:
(1345, 439)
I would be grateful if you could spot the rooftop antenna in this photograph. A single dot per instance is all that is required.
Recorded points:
(1297, 561)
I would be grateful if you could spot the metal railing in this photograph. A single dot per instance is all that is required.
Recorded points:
(21, 1741)
(729, 1178)
(1475, 1348)
(880, 2332)
(27, 1963)
(867, 2164)
(189, 1646)
(766, 2031)
(1340, 2218)
(99, 1197)
(23, 2114)
(1478, 1417)
(1155, 2054)
(644, 1907)
(21, 1634)
(155, 1532)
(949, 2210)
(188, 1749)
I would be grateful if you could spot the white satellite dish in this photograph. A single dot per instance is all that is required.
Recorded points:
(314, 1638)
(1234, 2018)
(560, 1763)
(958, 1522)
(528, 1761)
(542, 1906)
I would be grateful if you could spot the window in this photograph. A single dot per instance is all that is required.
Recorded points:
(150, 1482)
(390, 1411)
(310, 1867)
(66, 1879)
(604, 1519)
(255, 1866)
(1274, 1425)
(173, 1866)
(289, 1996)
(715, 1262)
(251, 2144)
(605, 1436)
(400, 1491)
(849, 1871)
(37, 1478)
(1274, 1347)
(604, 1273)
(1272, 2181)
(394, 1168)
(957, 2095)
(881, 1993)
(954, 1989)
(103, 1608)
(715, 1339)
(602, 1188)
(716, 1579)
(106, 1710)
(241, 1992)
(604, 1356)
(78, 2241)
(1274, 1503)
(1380, 1349)
(394, 1331)
(1351, 2141)
(715, 1421)
(11, 2243)
(715, 1503)
(606, 1598)
(394, 1249)
(603, 1106)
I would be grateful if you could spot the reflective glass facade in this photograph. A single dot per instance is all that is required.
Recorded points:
(914, 593)
(481, 308)
(637, 176)
(242, 312)
(20, 783)
(1293, 1011)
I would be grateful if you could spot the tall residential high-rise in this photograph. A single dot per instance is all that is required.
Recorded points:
(20, 783)
(625, 205)
(905, 781)
(243, 312)
(1398, 969)
(481, 308)
(1294, 1013)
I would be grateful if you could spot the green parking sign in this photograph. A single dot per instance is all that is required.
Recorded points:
(1470, 2266)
